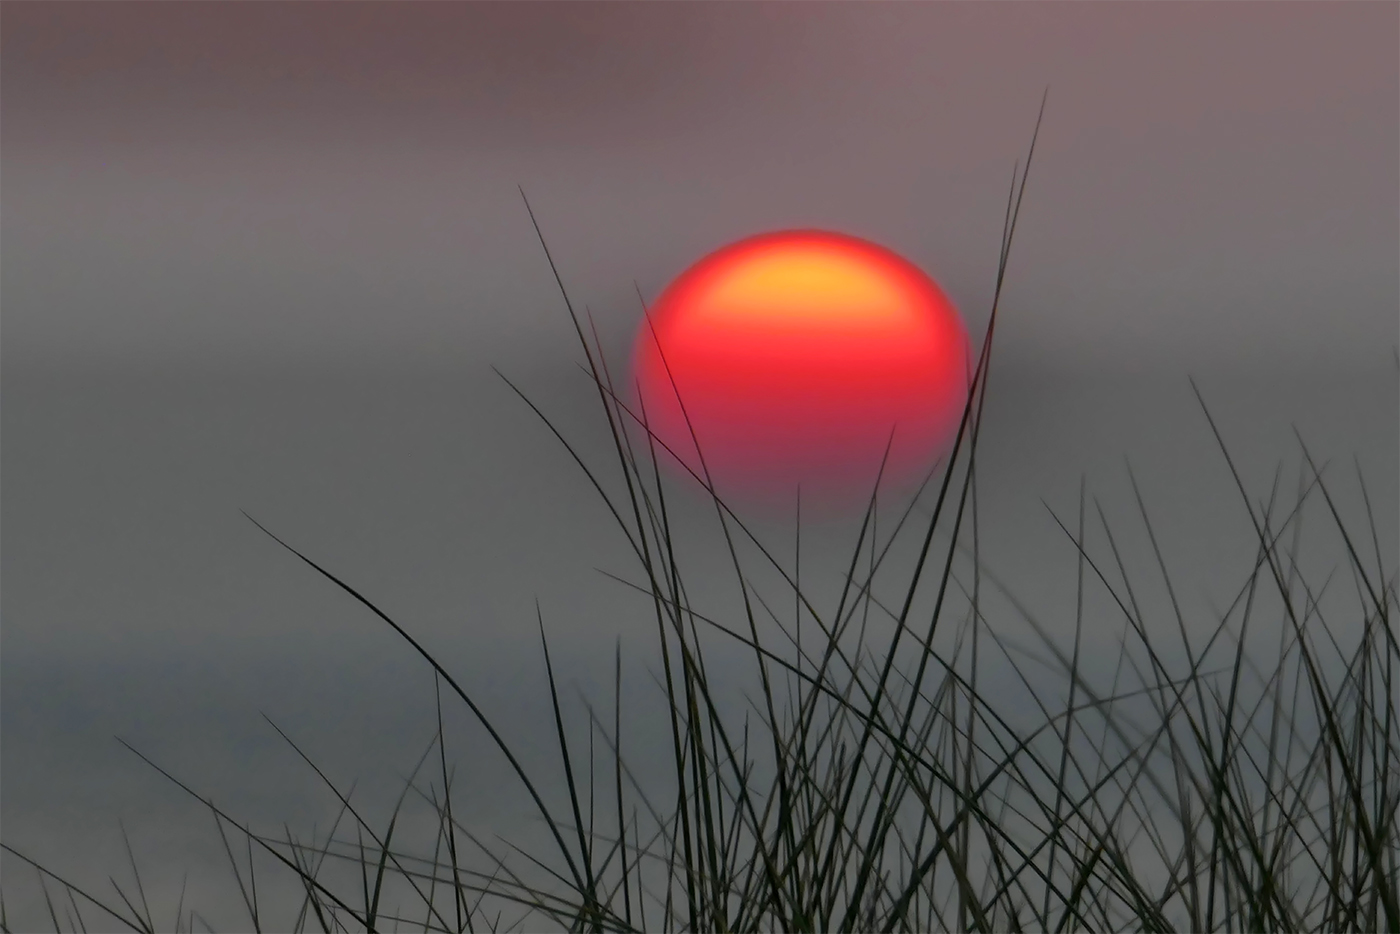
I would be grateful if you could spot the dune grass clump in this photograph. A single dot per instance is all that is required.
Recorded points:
(871, 780)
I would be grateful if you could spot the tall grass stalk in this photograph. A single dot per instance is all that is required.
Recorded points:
(874, 783)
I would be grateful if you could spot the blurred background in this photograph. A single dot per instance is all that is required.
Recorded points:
(265, 256)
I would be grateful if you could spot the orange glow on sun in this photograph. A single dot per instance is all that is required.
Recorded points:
(794, 355)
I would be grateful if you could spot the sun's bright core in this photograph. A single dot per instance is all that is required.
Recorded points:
(793, 356)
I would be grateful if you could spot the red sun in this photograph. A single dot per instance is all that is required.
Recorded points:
(794, 355)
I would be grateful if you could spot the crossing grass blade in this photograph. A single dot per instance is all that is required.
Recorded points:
(869, 775)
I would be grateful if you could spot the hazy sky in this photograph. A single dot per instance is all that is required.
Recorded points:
(230, 181)
(262, 256)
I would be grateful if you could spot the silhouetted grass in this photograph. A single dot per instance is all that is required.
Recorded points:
(870, 784)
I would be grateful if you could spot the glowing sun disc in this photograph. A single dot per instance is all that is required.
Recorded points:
(794, 355)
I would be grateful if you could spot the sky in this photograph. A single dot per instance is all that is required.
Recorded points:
(265, 256)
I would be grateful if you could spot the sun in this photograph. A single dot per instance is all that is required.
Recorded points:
(794, 357)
